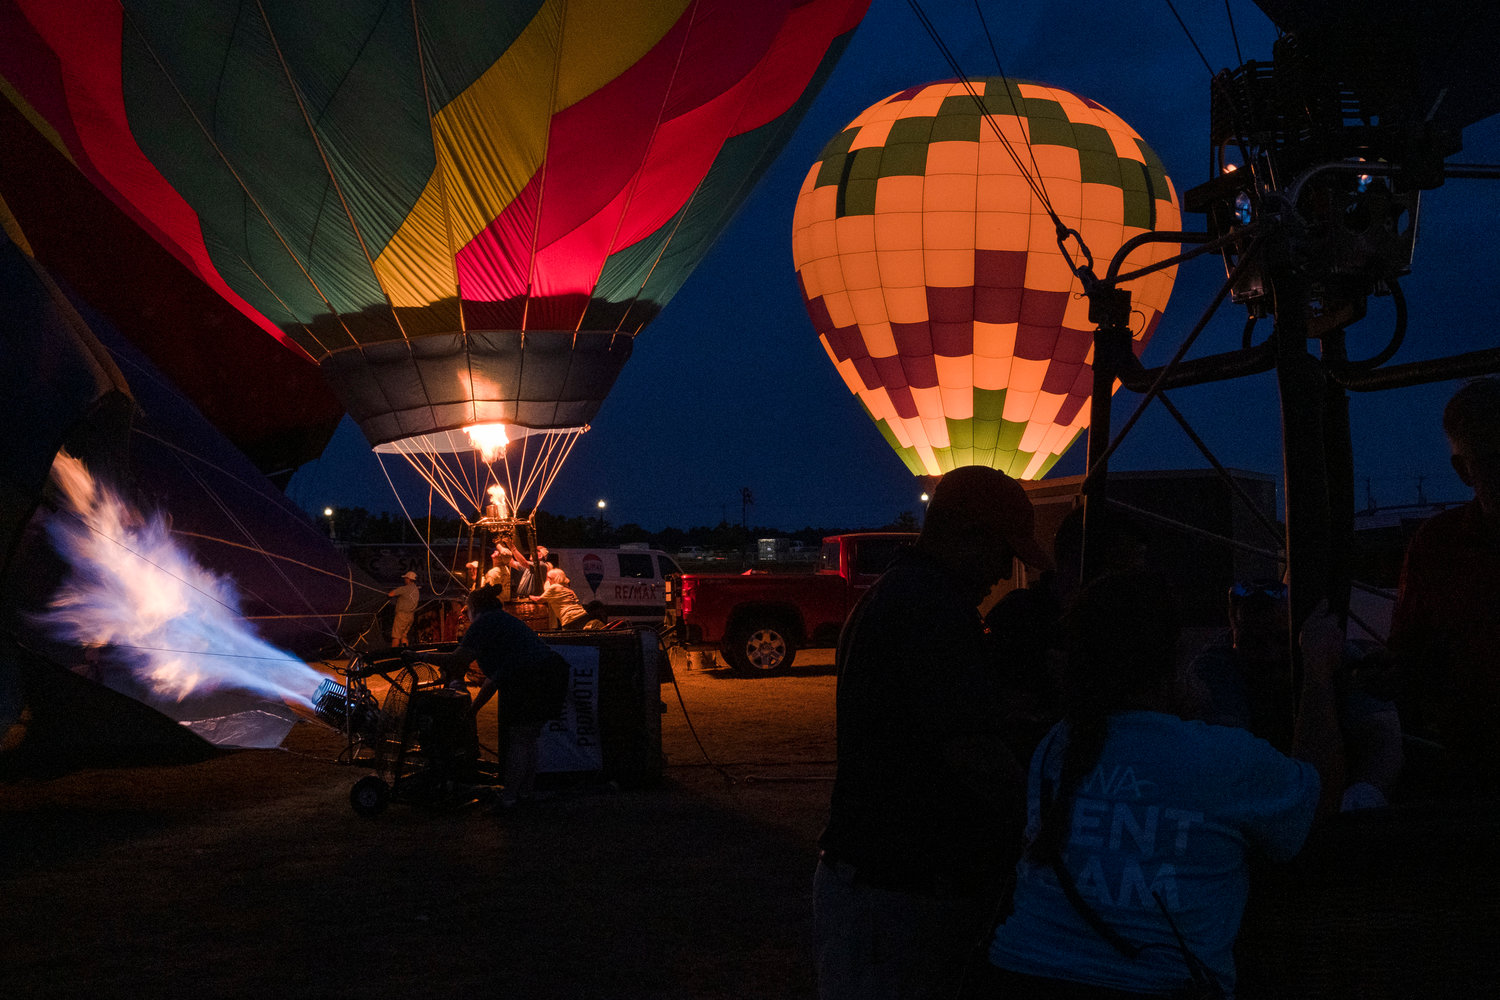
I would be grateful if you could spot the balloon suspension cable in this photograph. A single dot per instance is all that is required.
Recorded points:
(1272, 531)
(464, 481)
(540, 471)
(1032, 176)
(275, 561)
(461, 489)
(1194, 42)
(1274, 555)
(426, 545)
(1251, 252)
(453, 577)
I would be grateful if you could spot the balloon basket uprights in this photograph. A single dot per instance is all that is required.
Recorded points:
(506, 527)
(519, 533)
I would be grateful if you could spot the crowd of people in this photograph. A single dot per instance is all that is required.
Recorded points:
(1057, 801)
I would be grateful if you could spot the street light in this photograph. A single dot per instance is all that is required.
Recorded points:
(328, 513)
(601, 505)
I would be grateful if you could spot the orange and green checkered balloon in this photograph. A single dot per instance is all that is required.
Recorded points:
(933, 274)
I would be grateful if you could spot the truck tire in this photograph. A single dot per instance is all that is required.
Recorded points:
(759, 649)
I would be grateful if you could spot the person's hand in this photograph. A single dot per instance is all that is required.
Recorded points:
(1322, 642)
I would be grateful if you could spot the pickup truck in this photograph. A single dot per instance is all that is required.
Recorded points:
(757, 621)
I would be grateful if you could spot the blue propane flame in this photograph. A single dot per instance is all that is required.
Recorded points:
(171, 630)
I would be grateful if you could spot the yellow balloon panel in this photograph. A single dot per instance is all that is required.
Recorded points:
(932, 271)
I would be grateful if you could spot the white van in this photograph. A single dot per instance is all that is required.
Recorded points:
(624, 582)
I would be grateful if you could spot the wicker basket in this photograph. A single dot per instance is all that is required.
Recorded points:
(533, 613)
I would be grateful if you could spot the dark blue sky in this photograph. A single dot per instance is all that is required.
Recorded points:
(729, 387)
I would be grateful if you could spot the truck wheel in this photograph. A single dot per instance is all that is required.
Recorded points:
(759, 649)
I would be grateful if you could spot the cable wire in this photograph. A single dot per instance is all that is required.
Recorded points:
(1206, 65)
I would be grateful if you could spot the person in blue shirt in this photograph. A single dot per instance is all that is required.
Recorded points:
(1245, 680)
(1140, 825)
(530, 677)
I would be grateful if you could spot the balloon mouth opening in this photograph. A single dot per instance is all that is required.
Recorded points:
(489, 440)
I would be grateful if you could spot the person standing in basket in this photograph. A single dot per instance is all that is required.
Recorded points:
(926, 794)
(530, 677)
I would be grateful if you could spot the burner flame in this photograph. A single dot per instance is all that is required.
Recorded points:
(488, 439)
(170, 630)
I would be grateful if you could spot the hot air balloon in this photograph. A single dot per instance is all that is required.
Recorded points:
(463, 212)
(934, 276)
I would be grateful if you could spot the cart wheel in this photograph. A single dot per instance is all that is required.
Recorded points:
(369, 796)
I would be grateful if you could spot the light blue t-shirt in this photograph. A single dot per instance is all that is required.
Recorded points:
(1173, 809)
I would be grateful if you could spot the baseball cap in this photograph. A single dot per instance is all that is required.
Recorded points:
(974, 495)
(409, 575)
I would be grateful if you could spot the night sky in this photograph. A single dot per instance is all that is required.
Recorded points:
(729, 387)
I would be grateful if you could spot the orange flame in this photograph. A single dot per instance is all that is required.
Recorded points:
(497, 497)
(489, 440)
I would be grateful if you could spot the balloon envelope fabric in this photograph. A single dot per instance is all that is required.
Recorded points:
(933, 274)
(375, 183)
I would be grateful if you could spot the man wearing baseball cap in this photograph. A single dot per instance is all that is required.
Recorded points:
(406, 597)
(907, 876)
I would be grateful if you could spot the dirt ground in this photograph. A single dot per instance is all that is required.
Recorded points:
(250, 876)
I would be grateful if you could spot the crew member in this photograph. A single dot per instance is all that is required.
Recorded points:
(406, 597)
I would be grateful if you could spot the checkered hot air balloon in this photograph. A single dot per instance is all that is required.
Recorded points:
(933, 275)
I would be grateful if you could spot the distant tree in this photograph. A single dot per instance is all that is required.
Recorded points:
(630, 532)
(904, 521)
(726, 536)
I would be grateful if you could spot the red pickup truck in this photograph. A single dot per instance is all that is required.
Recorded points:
(757, 621)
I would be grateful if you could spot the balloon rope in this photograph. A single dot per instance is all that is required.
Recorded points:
(394, 492)
(561, 447)
(1033, 182)
(297, 89)
(437, 475)
(1032, 177)
(275, 556)
(182, 456)
(1172, 7)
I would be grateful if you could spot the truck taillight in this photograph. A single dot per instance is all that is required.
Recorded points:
(684, 595)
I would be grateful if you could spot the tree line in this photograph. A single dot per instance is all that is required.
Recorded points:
(358, 526)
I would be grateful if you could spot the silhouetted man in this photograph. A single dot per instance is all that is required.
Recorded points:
(926, 796)
(1445, 630)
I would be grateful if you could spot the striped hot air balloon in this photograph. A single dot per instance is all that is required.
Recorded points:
(933, 274)
(462, 211)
